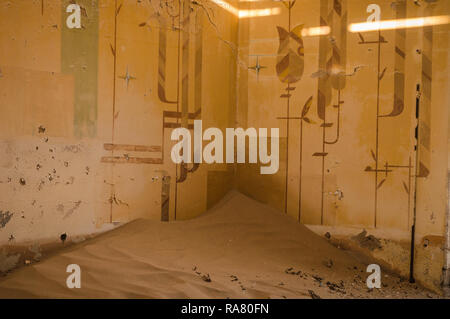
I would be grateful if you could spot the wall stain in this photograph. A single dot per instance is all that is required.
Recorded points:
(72, 210)
(5, 217)
(370, 242)
(72, 148)
(8, 262)
(36, 250)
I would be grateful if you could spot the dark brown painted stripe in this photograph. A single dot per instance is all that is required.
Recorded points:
(400, 52)
(173, 114)
(337, 7)
(130, 160)
(132, 148)
(177, 125)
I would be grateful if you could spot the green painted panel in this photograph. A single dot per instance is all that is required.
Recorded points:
(79, 56)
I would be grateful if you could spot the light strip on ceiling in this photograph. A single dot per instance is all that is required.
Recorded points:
(316, 31)
(247, 13)
(259, 12)
(398, 24)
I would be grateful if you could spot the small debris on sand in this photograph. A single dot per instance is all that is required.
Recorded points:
(336, 287)
(370, 242)
(313, 295)
(317, 278)
(292, 271)
(329, 263)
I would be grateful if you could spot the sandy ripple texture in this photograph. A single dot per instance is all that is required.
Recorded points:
(238, 249)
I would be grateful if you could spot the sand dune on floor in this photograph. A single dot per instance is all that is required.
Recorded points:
(238, 249)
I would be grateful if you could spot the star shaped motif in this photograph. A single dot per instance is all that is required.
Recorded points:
(127, 77)
(257, 67)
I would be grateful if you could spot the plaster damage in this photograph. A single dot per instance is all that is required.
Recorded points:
(5, 217)
(8, 262)
(367, 241)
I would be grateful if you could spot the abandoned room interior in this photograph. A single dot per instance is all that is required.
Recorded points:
(224, 149)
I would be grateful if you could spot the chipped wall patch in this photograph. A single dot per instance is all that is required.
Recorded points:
(36, 250)
(8, 262)
(370, 242)
(5, 217)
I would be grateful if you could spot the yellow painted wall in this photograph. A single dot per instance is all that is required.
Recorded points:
(105, 149)
(82, 149)
(339, 191)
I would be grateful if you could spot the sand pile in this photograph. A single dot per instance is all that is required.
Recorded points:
(239, 249)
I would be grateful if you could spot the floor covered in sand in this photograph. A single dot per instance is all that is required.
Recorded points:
(238, 249)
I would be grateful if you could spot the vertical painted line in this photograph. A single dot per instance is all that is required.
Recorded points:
(423, 129)
(114, 73)
(113, 106)
(300, 174)
(178, 99)
(185, 65)
(287, 125)
(377, 128)
(322, 187)
(417, 169)
(323, 169)
(287, 153)
(446, 270)
(324, 94)
(409, 190)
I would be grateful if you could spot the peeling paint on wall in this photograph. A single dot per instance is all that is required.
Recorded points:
(8, 262)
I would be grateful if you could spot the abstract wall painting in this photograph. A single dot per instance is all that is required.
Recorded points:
(331, 77)
(179, 17)
(290, 69)
(290, 65)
